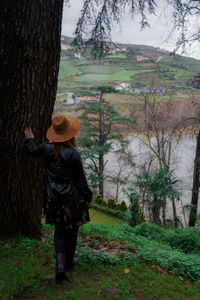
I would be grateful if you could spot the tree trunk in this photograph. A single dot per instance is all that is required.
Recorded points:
(101, 143)
(156, 211)
(30, 50)
(164, 213)
(101, 169)
(195, 188)
(174, 213)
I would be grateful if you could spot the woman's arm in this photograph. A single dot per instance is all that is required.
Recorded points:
(30, 146)
(80, 178)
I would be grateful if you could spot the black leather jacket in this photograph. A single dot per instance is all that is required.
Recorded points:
(70, 185)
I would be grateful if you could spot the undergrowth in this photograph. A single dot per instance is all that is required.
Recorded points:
(155, 252)
(140, 268)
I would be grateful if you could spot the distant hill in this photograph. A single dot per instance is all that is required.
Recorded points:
(137, 66)
(66, 39)
(152, 53)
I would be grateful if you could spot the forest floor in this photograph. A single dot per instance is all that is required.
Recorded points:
(27, 269)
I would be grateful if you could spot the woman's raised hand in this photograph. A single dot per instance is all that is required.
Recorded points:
(28, 133)
(90, 205)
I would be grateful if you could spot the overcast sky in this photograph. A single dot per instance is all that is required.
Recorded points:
(129, 31)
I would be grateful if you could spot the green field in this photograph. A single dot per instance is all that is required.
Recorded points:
(160, 68)
(117, 56)
(68, 68)
(72, 72)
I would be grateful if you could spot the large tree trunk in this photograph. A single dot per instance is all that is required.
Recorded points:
(30, 51)
(195, 188)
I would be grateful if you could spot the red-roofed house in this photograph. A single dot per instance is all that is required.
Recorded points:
(122, 86)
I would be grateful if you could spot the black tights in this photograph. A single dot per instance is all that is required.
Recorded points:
(65, 242)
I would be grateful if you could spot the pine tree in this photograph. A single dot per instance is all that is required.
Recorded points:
(100, 123)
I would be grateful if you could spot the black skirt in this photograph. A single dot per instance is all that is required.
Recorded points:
(65, 216)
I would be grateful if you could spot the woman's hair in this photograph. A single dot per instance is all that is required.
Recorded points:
(70, 143)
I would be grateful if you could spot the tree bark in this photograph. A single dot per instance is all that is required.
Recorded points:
(30, 52)
(101, 143)
(156, 211)
(195, 188)
(174, 213)
(101, 177)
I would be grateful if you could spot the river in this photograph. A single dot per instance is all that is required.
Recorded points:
(182, 163)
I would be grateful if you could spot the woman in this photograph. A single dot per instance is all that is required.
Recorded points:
(67, 195)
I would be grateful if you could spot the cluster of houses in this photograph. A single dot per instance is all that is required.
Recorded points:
(69, 100)
(117, 51)
(123, 86)
(154, 89)
(141, 58)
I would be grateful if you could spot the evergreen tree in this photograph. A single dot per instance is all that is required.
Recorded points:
(100, 123)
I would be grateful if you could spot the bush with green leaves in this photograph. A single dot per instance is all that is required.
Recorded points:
(184, 239)
(111, 203)
(123, 206)
(150, 230)
(155, 188)
(86, 255)
(174, 261)
(114, 212)
(99, 199)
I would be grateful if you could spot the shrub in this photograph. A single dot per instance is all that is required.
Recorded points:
(185, 239)
(104, 203)
(111, 203)
(123, 205)
(99, 199)
(150, 230)
(118, 206)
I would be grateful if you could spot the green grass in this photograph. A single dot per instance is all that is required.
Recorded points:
(117, 56)
(68, 68)
(100, 218)
(27, 267)
(118, 74)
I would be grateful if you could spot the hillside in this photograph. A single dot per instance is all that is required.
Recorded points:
(140, 65)
(133, 70)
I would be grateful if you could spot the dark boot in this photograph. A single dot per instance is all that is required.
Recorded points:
(70, 265)
(60, 268)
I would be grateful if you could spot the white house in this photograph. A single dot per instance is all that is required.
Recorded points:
(123, 86)
(65, 46)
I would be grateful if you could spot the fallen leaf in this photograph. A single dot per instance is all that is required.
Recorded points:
(88, 238)
(113, 253)
(159, 269)
(181, 278)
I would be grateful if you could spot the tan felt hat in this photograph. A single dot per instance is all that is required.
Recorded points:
(62, 129)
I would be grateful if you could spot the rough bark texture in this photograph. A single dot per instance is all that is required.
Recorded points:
(195, 188)
(30, 54)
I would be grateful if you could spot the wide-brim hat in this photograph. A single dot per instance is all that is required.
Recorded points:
(62, 129)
